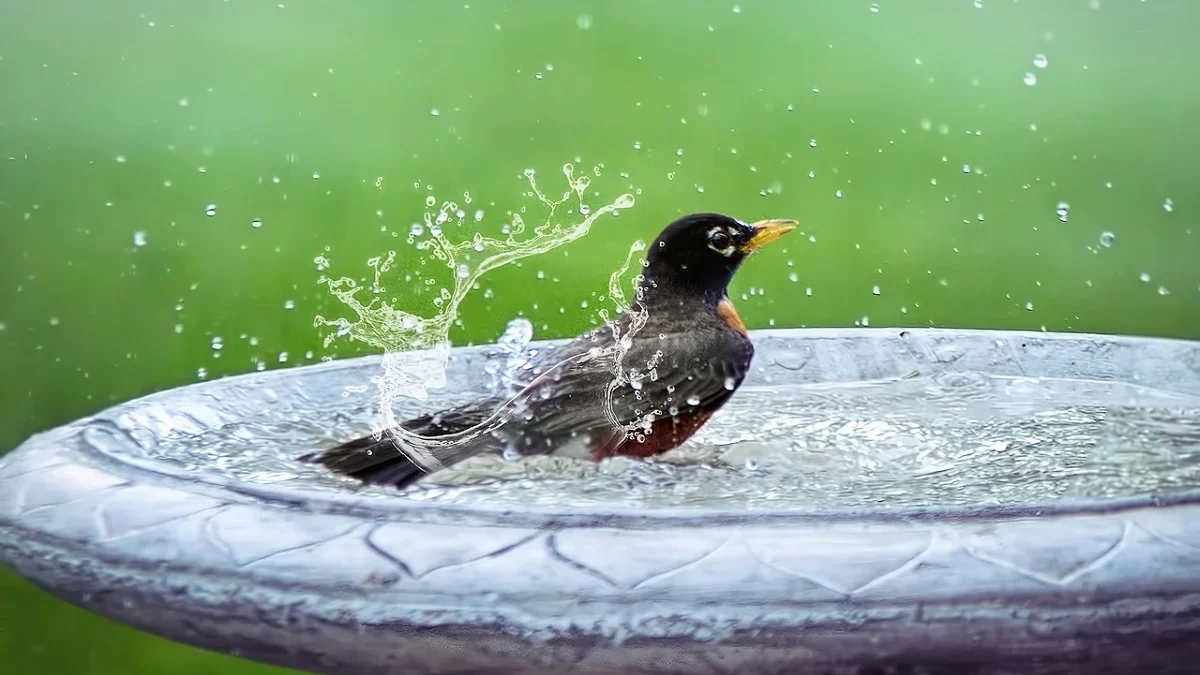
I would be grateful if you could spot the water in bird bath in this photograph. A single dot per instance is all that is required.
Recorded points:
(961, 439)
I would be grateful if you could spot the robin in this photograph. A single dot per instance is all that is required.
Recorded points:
(637, 386)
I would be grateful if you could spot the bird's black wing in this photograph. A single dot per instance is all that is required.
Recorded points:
(658, 378)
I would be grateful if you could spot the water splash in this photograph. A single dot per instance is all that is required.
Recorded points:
(637, 316)
(509, 355)
(416, 348)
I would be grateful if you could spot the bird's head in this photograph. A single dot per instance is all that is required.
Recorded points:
(697, 255)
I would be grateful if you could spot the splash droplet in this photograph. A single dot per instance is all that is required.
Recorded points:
(1107, 238)
(1030, 79)
(1063, 211)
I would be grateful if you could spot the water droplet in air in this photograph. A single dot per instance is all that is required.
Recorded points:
(1040, 60)
(1106, 239)
(434, 112)
(120, 159)
(1162, 290)
(256, 223)
(139, 239)
(1030, 79)
(1063, 210)
(693, 400)
(316, 176)
(874, 9)
(730, 383)
(978, 4)
(637, 145)
(812, 142)
(218, 344)
(875, 290)
(430, 200)
(1144, 276)
(210, 210)
(793, 277)
(463, 272)
(584, 21)
(289, 304)
(201, 373)
(416, 229)
(1168, 206)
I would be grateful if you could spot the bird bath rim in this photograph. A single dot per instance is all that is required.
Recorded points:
(547, 516)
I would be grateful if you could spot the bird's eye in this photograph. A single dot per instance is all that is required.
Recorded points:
(720, 241)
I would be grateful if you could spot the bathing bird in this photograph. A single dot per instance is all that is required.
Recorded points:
(639, 385)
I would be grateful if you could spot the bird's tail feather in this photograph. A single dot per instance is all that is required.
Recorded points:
(379, 459)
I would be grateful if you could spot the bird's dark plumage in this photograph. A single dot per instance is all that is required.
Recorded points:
(682, 352)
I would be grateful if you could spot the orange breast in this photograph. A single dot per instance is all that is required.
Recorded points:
(666, 433)
(729, 315)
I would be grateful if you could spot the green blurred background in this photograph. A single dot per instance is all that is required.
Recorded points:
(925, 145)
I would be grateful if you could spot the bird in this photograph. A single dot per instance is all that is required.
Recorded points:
(637, 386)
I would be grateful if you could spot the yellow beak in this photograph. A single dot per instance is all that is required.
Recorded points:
(766, 231)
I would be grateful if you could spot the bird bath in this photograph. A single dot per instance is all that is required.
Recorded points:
(977, 501)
